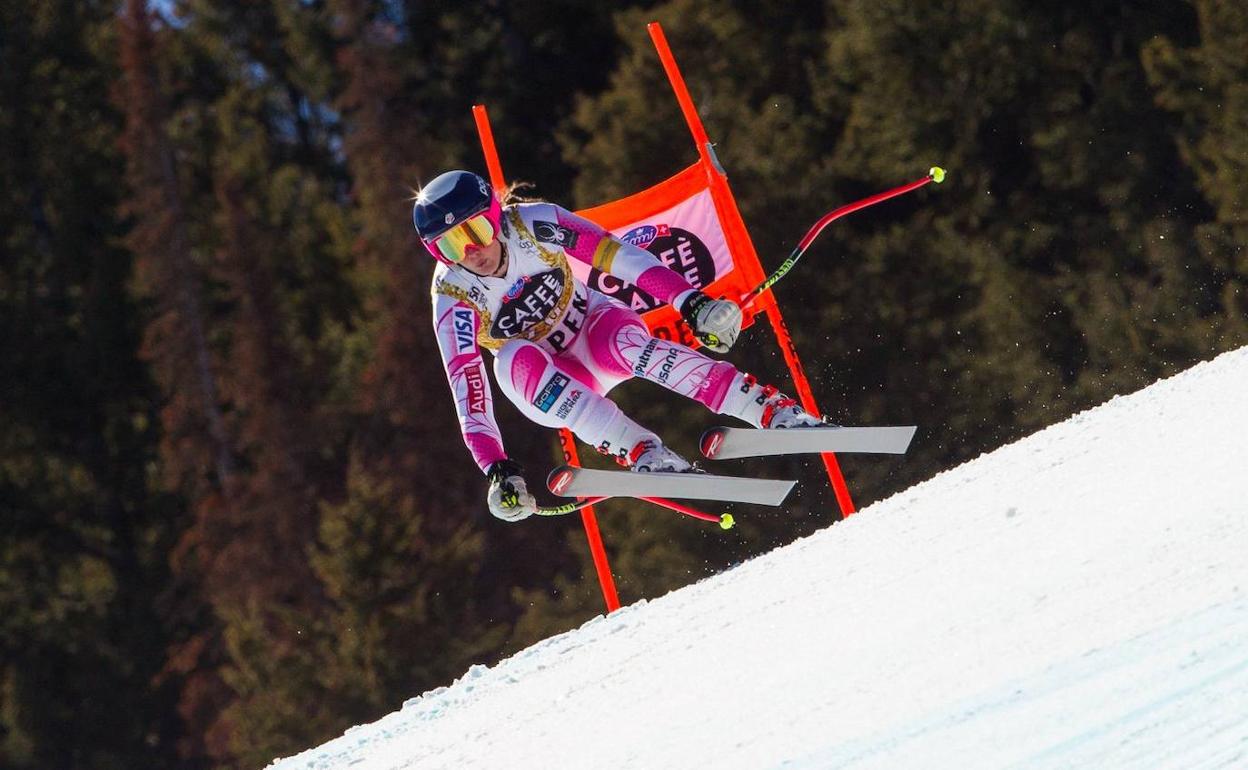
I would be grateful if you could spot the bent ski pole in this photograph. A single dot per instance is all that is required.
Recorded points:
(725, 521)
(936, 174)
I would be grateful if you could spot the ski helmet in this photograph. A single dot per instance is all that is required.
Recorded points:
(456, 209)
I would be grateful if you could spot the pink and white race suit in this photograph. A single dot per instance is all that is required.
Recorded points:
(559, 346)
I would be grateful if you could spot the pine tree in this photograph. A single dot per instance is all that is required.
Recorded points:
(176, 347)
(238, 516)
(1045, 275)
(1207, 86)
(237, 253)
(85, 529)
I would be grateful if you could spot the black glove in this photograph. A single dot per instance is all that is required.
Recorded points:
(509, 497)
(715, 322)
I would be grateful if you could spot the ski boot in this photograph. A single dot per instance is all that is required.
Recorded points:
(650, 456)
(780, 411)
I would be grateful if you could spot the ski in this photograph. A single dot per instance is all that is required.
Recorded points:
(567, 481)
(726, 443)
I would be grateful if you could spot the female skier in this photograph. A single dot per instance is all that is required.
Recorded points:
(504, 284)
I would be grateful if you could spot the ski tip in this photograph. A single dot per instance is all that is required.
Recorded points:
(559, 479)
(711, 442)
(726, 521)
(787, 491)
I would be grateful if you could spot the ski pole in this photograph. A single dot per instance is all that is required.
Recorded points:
(566, 508)
(936, 174)
(725, 521)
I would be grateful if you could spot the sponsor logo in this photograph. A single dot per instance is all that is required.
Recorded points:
(644, 360)
(669, 361)
(528, 303)
(560, 482)
(475, 380)
(461, 321)
(675, 331)
(711, 443)
(516, 288)
(570, 325)
(565, 408)
(664, 368)
(551, 391)
(644, 235)
(550, 232)
(685, 253)
(679, 249)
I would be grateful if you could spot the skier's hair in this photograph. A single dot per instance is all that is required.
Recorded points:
(510, 195)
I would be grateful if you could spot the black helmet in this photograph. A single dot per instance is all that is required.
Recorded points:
(451, 198)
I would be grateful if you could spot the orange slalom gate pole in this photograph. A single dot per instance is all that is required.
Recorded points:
(726, 204)
(807, 397)
(682, 92)
(486, 134)
(589, 520)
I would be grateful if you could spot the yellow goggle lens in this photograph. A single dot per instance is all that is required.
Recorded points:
(476, 230)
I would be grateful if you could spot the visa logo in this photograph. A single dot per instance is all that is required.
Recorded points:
(461, 320)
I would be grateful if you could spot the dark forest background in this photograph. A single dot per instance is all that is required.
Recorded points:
(236, 516)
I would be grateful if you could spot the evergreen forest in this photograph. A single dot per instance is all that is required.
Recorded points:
(236, 514)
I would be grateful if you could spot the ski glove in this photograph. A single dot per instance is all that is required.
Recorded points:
(509, 498)
(715, 322)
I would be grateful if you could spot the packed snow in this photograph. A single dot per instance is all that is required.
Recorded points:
(1075, 599)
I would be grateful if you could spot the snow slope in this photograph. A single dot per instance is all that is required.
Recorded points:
(1076, 599)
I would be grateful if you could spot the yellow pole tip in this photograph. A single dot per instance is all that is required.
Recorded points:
(726, 521)
(937, 174)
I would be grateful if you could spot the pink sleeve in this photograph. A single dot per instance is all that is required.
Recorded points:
(663, 283)
(456, 324)
(593, 245)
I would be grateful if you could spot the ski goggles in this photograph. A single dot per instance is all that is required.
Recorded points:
(477, 230)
